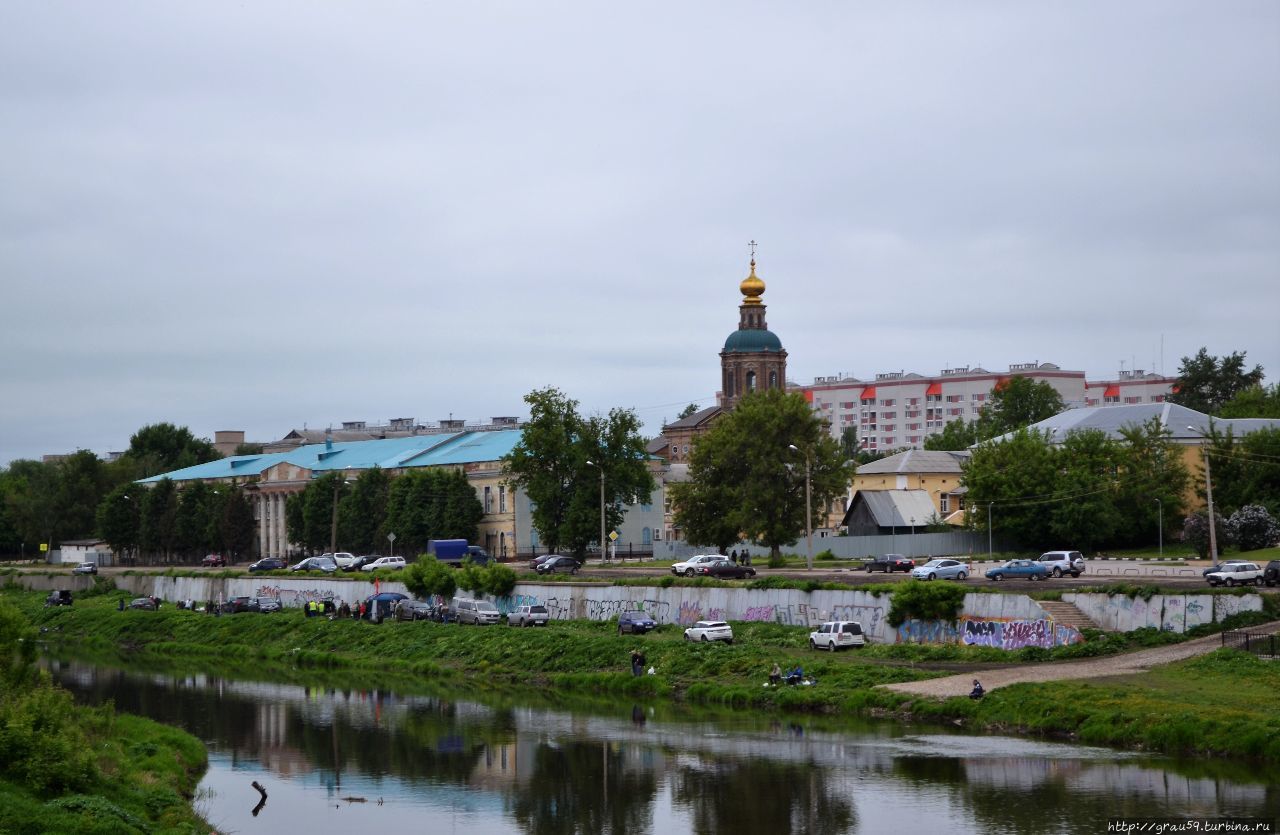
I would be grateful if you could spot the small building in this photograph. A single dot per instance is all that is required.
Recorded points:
(875, 512)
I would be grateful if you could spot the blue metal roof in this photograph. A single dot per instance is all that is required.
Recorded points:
(388, 453)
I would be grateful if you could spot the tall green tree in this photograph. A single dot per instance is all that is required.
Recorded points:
(1017, 403)
(849, 443)
(163, 447)
(559, 463)
(363, 511)
(1086, 516)
(1245, 470)
(958, 434)
(1017, 477)
(745, 476)
(119, 518)
(158, 528)
(193, 526)
(431, 504)
(1153, 482)
(688, 411)
(236, 526)
(1253, 402)
(1207, 383)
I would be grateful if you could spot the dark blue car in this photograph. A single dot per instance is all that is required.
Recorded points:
(637, 623)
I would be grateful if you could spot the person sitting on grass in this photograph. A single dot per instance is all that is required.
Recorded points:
(977, 691)
(775, 675)
(795, 676)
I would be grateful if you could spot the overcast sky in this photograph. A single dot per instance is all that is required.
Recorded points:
(269, 214)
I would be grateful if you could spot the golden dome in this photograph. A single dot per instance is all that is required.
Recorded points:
(752, 287)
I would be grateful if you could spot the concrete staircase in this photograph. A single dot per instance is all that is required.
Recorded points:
(1066, 614)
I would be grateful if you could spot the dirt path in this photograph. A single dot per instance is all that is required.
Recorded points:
(1115, 665)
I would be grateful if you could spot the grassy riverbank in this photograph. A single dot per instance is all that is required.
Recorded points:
(65, 768)
(589, 658)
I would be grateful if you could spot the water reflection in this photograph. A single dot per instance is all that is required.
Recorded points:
(335, 758)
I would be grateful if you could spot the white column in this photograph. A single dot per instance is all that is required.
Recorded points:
(261, 506)
(273, 542)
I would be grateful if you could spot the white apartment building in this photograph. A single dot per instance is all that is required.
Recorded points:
(900, 409)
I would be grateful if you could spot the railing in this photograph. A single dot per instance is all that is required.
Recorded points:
(1263, 646)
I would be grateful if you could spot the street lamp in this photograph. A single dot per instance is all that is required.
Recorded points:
(808, 506)
(913, 536)
(333, 528)
(600, 467)
(990, 552)
(1208, 493)
(1160, 529)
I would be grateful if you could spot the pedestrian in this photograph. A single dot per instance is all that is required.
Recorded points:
(733, 556)
(637, 662)
(120, 608)
(775, 675)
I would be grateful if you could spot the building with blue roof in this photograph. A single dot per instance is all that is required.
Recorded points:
(505, 529)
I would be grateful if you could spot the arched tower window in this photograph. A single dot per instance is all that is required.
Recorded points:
(773, 379)
(751, 381)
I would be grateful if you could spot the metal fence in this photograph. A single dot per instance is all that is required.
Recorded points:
(1263, 646)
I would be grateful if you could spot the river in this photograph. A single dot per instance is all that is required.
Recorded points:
(351, 760)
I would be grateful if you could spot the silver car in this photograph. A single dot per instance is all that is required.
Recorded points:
(528, 616)
(941, 570)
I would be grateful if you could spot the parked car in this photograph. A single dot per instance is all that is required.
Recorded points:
(889, 563)
(236, 605)
(360, 562)
(1236, 574)
(636, 622)
(464, 610)
(837, 634)
(413, 610)
(1271, 574)
(144, 603)
(690, 566)
(1019, 570)
(342, 558)
(214, 561)
(85, 568)
(267, 564)
(941, 570)
(529, 616)
(724, 569)
(58, 597)
(709, 630)
(1217, 566)
(325, 564)
(267, 605)
(559, 565)
(1062, 562)
(390, 563)
(537, 561)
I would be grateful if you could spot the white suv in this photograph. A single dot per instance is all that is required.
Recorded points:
(1062, 562)
(1236, 574)
(836, 634)
(690, 566)
(384, 562)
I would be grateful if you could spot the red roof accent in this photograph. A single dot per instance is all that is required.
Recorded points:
(934, 388)
(1112, 391)
(808, 395)
(869, 393)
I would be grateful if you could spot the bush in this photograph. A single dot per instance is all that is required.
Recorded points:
(825, 556)
(925, 601)
(1195, 532)
(429, 576)
(1252, 528)
(777, 561)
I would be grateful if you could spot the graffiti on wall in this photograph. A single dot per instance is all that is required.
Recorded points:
(293, 597)
(1005, 633)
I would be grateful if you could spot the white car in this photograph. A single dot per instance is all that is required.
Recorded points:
(709, 630)
(1236, 574)
(836, 634)
(342, 558)
(384, 562)
(529, 616)
(941, 570)
(690, 566)
(1062, 562)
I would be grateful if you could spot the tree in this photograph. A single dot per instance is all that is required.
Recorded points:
(1195, 532)
(1253, 528)
(427, 576)
(363, 511)
(1152, 482)
(157, 530)
(1245, 470)
(1207, 383)
(119, 518)
(431, 504)
(236, 527)
(1253, 402)
(1016, 476)
(193, 526)
(849, 443)
(688, 411)
(958, 434)
(559, 462)
(1085, 514)
(1016, 403)
(744, 476)
(248, 449)
(163, 447)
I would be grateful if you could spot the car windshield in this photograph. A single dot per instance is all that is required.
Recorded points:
(538, 609)
(932, 564)
(485, 606)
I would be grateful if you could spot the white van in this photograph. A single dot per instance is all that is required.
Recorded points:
(838, 634)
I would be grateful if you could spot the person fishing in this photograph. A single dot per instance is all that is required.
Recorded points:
(977, 692)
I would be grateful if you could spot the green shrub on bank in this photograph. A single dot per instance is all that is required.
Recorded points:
(925, 601)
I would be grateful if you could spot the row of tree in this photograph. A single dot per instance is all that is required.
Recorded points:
(172, 524)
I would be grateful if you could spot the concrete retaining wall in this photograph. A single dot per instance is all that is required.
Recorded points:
(1169, 612)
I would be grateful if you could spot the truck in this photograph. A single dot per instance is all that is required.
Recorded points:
(456, 551)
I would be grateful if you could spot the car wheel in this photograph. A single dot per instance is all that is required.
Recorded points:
(1231, 581)
(1057, 574)
(705, 639)
(831, 647)
(688, 572)
(962, 576)
(995, 578)
(813, 645)
(867, 569)
(573, 570)
(688, 637)
(932, 576)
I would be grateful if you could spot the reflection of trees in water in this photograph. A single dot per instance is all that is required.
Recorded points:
(584, 787)
(765, 796)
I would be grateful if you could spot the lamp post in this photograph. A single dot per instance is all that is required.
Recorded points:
(990, 551)
(1160, 529)
(600, 467)
(1208, 494)
(808, 507)
(333, 527)
(913, 536)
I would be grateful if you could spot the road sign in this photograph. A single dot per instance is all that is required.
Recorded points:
(613, 536)
(391, 537)
(44, 546)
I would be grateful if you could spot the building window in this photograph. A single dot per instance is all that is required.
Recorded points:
(1132, 400)
(848, 404)
(913, 401)
(751, 381)
(488, 500)
(944, 502)
(890, 402)
(1115, 399)
(502, 543)
(773, 381)
(502, 499)
(1157, 398)
(889, 415)
(888, 441)
(978, 397)
(646, 536)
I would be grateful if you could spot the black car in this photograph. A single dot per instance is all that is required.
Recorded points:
(635, 622)
(360, 562)
(559, 565)
(240, 604)
(1271, 574)
(145, 603)
(59, 597)
(724, 570)
(889, 563)
(537, 562)
(268, 564)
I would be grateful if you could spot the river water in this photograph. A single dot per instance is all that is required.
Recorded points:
(363, 760)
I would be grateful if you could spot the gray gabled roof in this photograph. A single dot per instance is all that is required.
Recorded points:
(917, 461)
(695, 419)
(1175, 418)
(894, 508)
